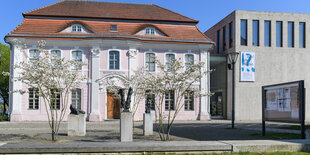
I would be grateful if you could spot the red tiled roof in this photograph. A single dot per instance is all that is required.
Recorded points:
(109, 10)
(52, 28)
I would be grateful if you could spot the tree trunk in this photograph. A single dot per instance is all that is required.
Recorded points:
(53, 130)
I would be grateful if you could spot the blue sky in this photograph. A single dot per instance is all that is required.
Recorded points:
(208, 12)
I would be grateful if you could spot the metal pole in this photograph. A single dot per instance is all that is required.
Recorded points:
(233, 97)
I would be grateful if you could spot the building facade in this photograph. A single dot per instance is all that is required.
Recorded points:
(280, 45)
(113, 40)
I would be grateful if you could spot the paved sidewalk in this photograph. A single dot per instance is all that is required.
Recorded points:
(187, 136)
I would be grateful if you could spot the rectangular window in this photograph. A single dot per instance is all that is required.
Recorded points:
(77, 56)
(255, 32)
(231, 32)
(243, 32)
(55, 100)
(76, 98)
(33, 56)
(150, 62)
(279, 33)
(189, 100)
(150, 96)
(224, 38)
(218, 43)
(302, 35)
(169, 100)
(114, 60)
(189, 60)
(267, 33)
(33, 98)
(113, 28)
(169, 62)
(290, 34)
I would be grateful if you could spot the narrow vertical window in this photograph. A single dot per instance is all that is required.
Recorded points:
(302, 35)
(279, 33)
(55, 54)
(231, 32)
(169, 100)
(243, 32)
(76, 98)
(290, 34)
(224, 38)
(114, 59)
(55, 100)
(77, 57)
(33, 98)
(150, 96)
(33, 56)
(150, 62)
(218, 43)
(255, 31)
(189, 100)
(169, 60)
(267, 26)
(189, 60)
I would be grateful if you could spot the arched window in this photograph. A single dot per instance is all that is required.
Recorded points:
(169, 60)
(77, 56)
(55, 54)
(33, 55)
(114, 59)
(76, 98)
(150, 62)
(189, 60)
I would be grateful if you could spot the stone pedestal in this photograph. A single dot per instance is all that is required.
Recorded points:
(147, 125)
(76, 125)
(126, 127)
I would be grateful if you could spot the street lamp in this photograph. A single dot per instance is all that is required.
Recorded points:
(232, 58)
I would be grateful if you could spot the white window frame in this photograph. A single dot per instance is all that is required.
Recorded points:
(28, 54)
(77, 98)
(76, 27)
(170, 52)
(167, 109)
(120, 59)
(33, 98)
(56, 49)
(149, 30)
(188, 101)
(71, 57)
(184, 60)
(149, 52)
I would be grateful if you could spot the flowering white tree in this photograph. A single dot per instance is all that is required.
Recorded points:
(174, 79)
(52, 78)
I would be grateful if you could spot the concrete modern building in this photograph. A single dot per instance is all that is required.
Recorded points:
(113, 40)
(273, 44)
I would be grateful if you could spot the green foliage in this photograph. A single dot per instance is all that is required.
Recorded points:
(4, 67)
(3, 117)
(294, 127)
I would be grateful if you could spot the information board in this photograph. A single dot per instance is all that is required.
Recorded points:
(284, 103)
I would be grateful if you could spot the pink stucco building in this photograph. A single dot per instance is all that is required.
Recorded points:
(113, 40)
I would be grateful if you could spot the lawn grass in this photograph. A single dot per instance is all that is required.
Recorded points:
(275, 135)
(294, 127)
(228, 153)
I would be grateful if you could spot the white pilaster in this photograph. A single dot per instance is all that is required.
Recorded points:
(132, 66)
(95, 114)
(17, 85)
(204, 87)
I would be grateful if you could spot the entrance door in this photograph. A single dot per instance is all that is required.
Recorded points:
(217, 105)
(113, 107)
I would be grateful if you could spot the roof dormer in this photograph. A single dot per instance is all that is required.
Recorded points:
(75, 28)
(150, 31)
